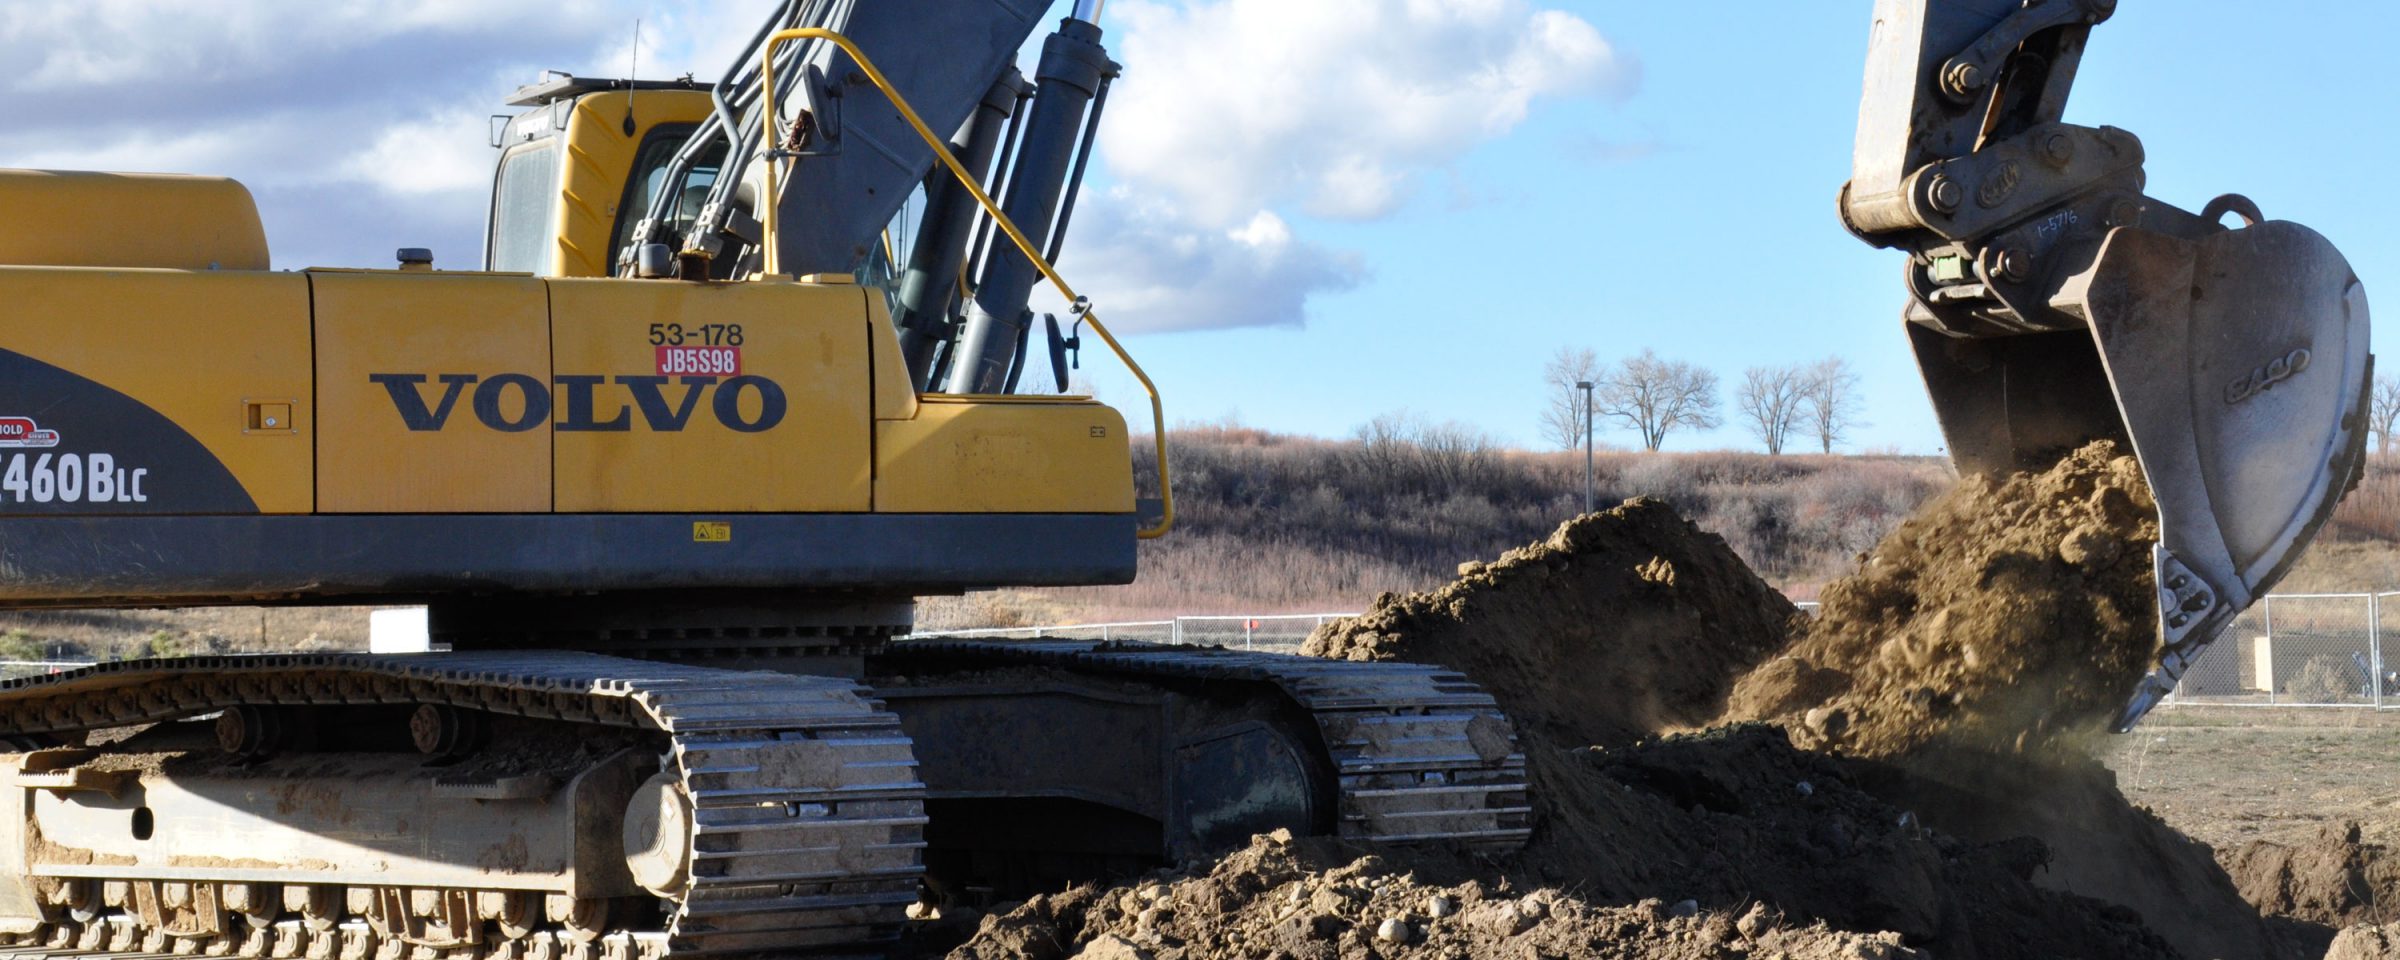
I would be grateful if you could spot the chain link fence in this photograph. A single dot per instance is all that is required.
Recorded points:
(2310, 649)
(2302, 649)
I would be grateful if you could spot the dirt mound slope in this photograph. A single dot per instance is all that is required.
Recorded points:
(1737, 815)
(2100, 845)
(1937, 803)
(1720, 823)
(2366, 942)
(1312, 899)
(1620, 623)
(2332, 879)
(2011, 611)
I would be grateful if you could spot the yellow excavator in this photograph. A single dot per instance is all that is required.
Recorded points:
(669, 468)
(668, 471)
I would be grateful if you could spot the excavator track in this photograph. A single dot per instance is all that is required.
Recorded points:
(805, 806)
(1420, 753)
(806, 814)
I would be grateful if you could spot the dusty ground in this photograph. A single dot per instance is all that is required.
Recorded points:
(117, 634)
(2230, 775)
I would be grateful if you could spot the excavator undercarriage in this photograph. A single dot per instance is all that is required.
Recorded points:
(539, 803)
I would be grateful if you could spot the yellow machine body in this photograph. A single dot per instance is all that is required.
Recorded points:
(393, 434)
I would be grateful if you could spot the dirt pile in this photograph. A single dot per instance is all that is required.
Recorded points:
(1315, 899)
(2009, 612)
(1737, 815)
(1940, 804)
(1620, 623)
(2333, 879)
(1727, 820)
(2366, 943)
(2100, 845)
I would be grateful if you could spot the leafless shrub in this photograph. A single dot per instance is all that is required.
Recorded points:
(1271, 523)
(2325, 679)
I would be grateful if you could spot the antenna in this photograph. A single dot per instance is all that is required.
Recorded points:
(632, 70)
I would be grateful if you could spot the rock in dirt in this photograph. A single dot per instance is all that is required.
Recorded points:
(1620, 623)
(1109, 946)
(2010, 611)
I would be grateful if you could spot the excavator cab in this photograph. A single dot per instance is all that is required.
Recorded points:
(2052, 303)
(553, 218)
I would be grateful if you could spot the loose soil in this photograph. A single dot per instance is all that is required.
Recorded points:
(1315, 898)
(1941, 816)
(2007, 613)
(2334, 878)
(1621, 623)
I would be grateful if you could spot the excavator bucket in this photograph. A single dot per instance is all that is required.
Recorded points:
(2236, 364)
(2053, 303)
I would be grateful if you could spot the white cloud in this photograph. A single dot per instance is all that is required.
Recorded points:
(443, 153)
(1333, 106)
(359, 126)
(1232, 110)
(1149, 268)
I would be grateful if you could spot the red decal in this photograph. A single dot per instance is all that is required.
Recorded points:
(699, 361)
(22, 432)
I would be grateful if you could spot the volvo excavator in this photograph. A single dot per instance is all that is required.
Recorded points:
(669, 469)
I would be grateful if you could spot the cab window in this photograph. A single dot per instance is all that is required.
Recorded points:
(524, 210)
(645, 187)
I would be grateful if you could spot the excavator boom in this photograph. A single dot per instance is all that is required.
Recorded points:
(2051, 303)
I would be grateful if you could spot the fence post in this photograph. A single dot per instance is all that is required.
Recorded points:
(1246, 644)
(2274, 656)
(1175, 630)
(2375, 646)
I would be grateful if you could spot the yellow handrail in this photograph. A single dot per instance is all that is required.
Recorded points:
(1158, 415)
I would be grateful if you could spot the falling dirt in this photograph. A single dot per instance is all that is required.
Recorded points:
(1644, 617)
(1938, 804)
(2007, 613)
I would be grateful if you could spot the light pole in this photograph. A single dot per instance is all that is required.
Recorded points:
(1586, 387)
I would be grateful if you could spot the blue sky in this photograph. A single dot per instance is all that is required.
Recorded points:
(1671, 189)
(1696, 215)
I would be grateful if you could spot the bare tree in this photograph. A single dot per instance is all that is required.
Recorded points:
(2384, 413)
(1657, 397)
(1771, 400)
(1830, 401)
(1562, 414)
